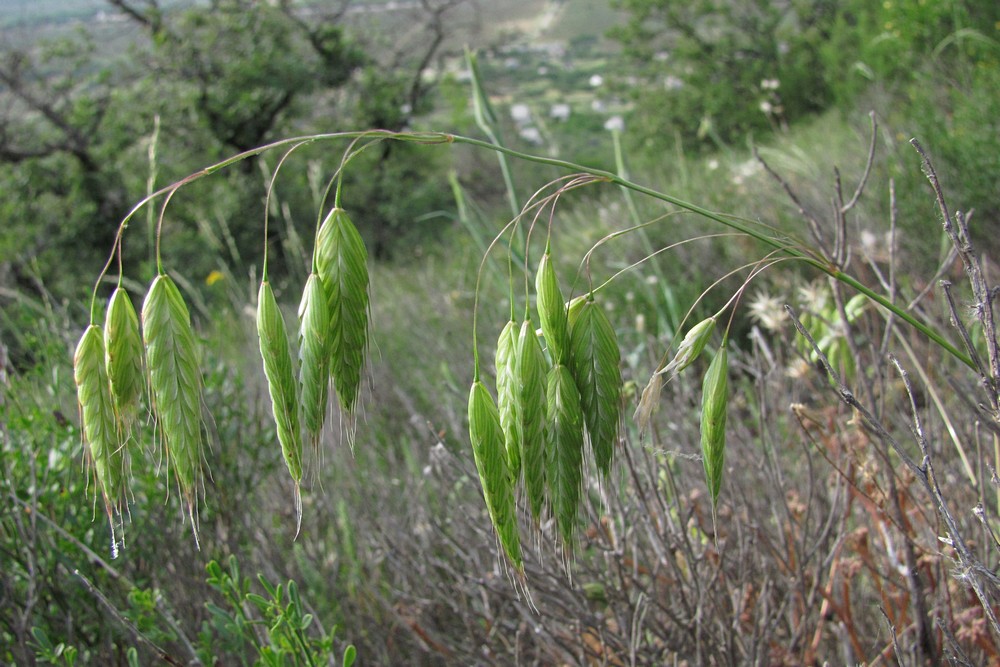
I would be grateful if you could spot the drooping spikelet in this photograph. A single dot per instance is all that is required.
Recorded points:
(551, 311)
(342, 265)
(488, 449)
(123, 358)
(564, 448)
(314, 356)
(100, 427)
(690, 348)
(175, 385)
(508, 398)
(281, 384)
(594, 361)
(714, 400)
(530, 370)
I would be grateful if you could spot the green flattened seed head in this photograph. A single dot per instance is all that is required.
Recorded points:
(314, 356)
(714, 399)
(690, 348)
(281, 384)
(594, 362)
(123, 357)
(175, 384)
(530, 371)
(564, 448)
(551, 311)
(100, 427)
(488, 449)
(508, 398)
(342, 264)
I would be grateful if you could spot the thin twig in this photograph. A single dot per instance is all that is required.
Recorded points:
(983, 581)
(958, 231)
(957, 322)
(892, 632)
(868, 167)
(891, 291)
(814, 226)
(160, 653)
(96, 559)
(955, 653)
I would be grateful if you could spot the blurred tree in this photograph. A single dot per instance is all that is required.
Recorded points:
(56, 159)
(714, 70)
(248, 62)
(75, 123)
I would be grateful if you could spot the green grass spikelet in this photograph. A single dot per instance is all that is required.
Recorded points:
(594, 362)
(342, 264)
(281, 384)
(564, 449)
(487, 439)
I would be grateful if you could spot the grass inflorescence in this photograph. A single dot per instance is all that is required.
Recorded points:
(175, 385)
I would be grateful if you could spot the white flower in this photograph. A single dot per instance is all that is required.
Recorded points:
(813, 297)
(768, 311)
(615, 124)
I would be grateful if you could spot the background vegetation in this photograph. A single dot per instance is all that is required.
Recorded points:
(827, 547)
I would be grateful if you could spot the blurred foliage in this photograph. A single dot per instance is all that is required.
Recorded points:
(707, 76)
(79, 147)
(712, 72)
(395, 548)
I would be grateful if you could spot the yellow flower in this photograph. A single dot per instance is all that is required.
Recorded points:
(214, 277)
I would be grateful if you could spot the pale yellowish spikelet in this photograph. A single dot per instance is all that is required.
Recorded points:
(564, 448)
(551, 310)
(123, 358)
(100, 428)
(342, 264)
(281, 385)
(508, 398)
(690, 348)
(487, 439)
(647, 403)
(594, 361)
(714, 400)
(530, 370)
(175, 385)
(314, 356)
